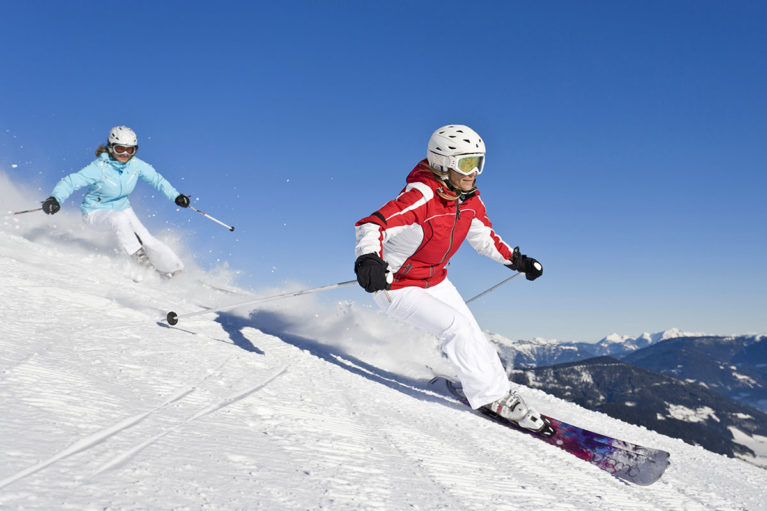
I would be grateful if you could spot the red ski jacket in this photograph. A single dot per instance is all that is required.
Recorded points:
(418, 232)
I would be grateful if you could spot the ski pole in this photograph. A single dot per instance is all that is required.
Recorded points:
(173, 318)
(25, 211)
(231, 228)
(483, 293)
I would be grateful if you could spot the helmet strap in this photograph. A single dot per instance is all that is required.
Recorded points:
(453, 193)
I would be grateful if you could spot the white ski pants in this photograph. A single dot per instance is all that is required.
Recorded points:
(132, 235)
(441, 311)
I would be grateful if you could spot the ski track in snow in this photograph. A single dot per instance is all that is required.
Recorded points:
(106, 407)
(103, 434)
(122, 458)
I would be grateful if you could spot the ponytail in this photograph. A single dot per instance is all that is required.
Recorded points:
(101, 150)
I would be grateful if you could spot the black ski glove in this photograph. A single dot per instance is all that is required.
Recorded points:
(182, 200)
(527, 265)
(51, 206)
(371, 272)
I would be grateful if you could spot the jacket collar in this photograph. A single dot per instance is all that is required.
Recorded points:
(422, 173)
(118, 166)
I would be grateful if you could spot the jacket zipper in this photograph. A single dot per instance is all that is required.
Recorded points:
(452, 232)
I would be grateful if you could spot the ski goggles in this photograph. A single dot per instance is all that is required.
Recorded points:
(467, 164)
(125, 149)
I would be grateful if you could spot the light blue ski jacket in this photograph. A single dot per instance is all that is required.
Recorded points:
(110, 183)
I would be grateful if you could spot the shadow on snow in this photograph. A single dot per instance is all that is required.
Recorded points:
(233, 326)
(272, 323)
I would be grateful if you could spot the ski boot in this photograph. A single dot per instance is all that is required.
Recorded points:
(168, 275)
(513, 408)
(140, 257)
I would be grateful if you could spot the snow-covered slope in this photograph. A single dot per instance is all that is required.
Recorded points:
(293, 406)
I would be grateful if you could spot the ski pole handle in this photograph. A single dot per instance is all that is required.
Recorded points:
(231, 228)
(26, 211)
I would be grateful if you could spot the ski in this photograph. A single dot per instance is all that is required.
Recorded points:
(625, 460)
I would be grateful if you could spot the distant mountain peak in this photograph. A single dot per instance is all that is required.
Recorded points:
(615, 338)
(614, 342)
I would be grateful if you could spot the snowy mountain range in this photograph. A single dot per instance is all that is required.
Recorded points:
(293, 405)
(734, 366)
(543, 352)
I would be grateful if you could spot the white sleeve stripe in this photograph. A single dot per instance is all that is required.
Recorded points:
(368, 239)
(427, 193)
(425, 189)
(480, 237)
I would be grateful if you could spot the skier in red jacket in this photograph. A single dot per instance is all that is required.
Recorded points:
(403, 250)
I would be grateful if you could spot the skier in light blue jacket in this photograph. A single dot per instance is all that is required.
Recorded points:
(112, 176)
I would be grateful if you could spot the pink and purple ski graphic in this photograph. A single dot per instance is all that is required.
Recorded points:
(625, 460)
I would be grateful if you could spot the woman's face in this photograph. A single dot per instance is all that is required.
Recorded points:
(122, 158)
(461, 181)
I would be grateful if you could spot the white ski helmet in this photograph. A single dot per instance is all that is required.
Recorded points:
(122, 135)
(449, 143)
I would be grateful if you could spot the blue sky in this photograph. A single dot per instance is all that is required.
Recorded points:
(626, 140)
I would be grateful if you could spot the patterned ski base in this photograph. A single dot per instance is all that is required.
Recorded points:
(627, 461)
